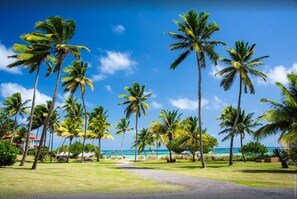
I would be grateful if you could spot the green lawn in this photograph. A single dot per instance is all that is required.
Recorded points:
(249, 173)
(71, 178)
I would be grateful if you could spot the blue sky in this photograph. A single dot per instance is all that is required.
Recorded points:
(128, 44)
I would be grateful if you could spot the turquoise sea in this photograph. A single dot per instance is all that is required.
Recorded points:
(129, 154)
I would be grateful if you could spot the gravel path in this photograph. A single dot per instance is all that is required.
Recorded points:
(199, 188)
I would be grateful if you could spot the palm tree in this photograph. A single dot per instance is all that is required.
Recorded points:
(136, 104)
(6, 124)
(191, 133)
(76, 77)
(14, 106)
(145, 140)
(243, 64)
(195, 35)
(69, 103)
(54, 124)
(31, 56)
(281, 117)
(123, 127)
(59, 32)
(169, 127)
(158, 140)
(244, 125)
(99, 127)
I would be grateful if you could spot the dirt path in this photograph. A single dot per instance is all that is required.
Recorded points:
(195, 188)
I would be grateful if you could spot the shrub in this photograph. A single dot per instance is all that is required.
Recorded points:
(8, 154)
(253, 148)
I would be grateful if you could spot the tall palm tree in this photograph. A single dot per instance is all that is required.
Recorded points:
(59, 32)
(99, 127)
(76, 77)
(281, 117)
(169, 127)
(135, 101)
(54, 124)
(31, 55)
(244, 125)
(243, 64)
(69, 104)
(14, 106)
(123, 127)
(195, 36)
(145, 140)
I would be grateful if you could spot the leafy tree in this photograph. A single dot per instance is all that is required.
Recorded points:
(8, 154)
(59, 32)
(31, 55)
(241, 62)
(76, 148)
(99, 127)
(90, 148)
(14, 106)
(168, 128)
(135, 101)
(281, 117)
(123, 127)
(253, 148)
(158, 141)
(195, 36)
(76, 77)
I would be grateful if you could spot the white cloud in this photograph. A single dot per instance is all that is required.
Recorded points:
(216, 104)
(108, 88)
(4, 60)
(214, 70)
(114, 62)
(118, 29)
(156, 105)
(7, 89)
(187, 104)
(278, 74)
(98, 77)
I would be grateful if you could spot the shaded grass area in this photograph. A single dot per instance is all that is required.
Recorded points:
(72, 178)
(249, 173)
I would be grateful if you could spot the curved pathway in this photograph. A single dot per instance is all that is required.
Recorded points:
(195, 188)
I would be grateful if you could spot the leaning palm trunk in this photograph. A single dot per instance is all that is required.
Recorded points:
(157, 147)
(99, 149)
(136, 137)
(13, 129)
(122, 145)
(170, 154)
(31, 119)
(69, 150)
(199, 111)
(235, 123)
(85, 133)
(34, 166)
(52, 147)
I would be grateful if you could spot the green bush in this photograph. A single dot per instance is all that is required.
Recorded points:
(76, 149)
(8, 154)
(254, 148)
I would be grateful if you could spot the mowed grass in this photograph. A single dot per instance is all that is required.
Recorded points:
(74, 178)
(249, 173)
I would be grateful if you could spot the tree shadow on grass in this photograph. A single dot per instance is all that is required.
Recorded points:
(268, 171)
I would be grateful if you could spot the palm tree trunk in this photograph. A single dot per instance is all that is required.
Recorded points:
(31, 119)
(193, 152)
(61, 59)
(170, 154)
(123, 144)
(157, 146)
(52, 147)
(199, 111)
(85, 133)
(13, 129)
(99, 149)
(235, 122)
(136, 137)
(241, 139)
(69, 150)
